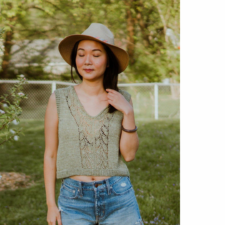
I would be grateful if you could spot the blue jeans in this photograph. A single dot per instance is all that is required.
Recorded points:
(110, 201)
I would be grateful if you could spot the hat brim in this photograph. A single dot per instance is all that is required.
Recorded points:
(66, 45)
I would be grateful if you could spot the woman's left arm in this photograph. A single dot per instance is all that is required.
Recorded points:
(129, 142)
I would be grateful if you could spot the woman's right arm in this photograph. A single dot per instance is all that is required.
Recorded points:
(51, 146)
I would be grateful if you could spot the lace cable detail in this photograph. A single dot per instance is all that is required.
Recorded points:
(93, 135)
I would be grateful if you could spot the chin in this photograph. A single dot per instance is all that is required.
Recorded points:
(92, 77)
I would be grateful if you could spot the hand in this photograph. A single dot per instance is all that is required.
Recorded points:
(118, 101)
(53, 216)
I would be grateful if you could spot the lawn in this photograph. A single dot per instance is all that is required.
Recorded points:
(155, 174)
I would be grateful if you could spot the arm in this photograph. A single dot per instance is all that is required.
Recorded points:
(51, 144)
(129, 142)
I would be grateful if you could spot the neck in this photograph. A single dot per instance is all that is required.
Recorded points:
(92, 88)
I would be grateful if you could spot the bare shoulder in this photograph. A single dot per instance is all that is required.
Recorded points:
(51, 127)
(52, 97)
(51, 111)
(52, 102)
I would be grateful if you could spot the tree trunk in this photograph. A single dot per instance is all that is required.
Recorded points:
(142, 23)
(6, 57)
(130, 29)
(162, 19)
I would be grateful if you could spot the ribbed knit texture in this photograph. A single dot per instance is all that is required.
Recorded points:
(88, 145)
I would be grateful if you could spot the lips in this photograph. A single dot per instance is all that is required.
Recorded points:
(88, 70)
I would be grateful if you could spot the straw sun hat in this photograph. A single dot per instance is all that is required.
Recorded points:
(97, 32)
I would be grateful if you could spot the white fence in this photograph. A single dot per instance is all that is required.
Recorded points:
(150, 100)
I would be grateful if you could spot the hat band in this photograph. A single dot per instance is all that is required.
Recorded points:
(101, 39)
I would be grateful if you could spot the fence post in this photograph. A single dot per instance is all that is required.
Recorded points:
(156, 100)
(53, 86)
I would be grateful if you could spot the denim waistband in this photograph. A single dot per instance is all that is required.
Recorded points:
(76, 183)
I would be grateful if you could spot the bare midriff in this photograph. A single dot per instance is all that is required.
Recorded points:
(89, 178)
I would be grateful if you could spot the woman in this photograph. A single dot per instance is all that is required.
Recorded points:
(87, 128)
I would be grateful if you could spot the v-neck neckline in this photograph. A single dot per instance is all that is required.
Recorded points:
(82, 107)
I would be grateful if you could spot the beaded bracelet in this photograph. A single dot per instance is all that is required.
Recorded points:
(129, 131)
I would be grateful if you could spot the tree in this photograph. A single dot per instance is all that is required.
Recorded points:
(139, 26)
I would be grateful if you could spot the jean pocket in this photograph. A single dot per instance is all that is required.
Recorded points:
(68, 191)
(122, 186)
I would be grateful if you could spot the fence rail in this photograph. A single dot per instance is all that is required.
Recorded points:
(150, 100)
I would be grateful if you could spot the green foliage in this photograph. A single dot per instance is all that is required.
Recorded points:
(155, 58)
(147, 66)
(10, 111)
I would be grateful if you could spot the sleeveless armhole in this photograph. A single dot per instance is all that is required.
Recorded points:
(57, 96)
(126, 94)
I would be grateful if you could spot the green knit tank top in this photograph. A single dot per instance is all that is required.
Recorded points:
(88, 145)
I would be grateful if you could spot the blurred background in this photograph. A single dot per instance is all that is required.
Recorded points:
(149, 30)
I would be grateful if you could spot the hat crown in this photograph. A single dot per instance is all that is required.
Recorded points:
(101, 32)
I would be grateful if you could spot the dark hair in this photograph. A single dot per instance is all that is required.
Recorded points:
(110, 79)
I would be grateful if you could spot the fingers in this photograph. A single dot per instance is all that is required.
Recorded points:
(53, 216)
(111, 102)
(110, 90)
(59, 221)
(110, 96)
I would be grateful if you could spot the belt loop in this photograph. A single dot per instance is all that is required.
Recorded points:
(108, 186)
(62, 180)
(80, 189)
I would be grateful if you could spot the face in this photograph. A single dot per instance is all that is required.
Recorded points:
(91, 59)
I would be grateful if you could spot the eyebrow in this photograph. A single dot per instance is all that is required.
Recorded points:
(92, 50)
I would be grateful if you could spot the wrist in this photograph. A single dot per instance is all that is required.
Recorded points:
(129, 130)
(128, 111)
(50, 205)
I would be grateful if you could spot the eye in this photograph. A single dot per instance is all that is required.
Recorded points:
(81, 55)
(96, 55)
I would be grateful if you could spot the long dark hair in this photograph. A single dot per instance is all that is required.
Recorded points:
(110, 79)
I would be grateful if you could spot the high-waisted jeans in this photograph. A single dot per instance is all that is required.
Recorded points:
(110, 201)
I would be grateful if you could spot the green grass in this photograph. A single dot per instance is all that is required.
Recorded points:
(155, 174)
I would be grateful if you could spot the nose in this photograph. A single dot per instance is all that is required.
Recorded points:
(87, 60)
